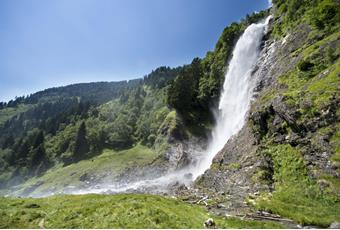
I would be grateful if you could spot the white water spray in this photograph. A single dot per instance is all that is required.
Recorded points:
(237, 93)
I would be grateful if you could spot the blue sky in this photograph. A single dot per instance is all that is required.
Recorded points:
(46, 43)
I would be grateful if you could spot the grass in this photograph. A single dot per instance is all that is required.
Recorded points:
(296, 195)
(111, 211)
(316, 92)
(109, 164)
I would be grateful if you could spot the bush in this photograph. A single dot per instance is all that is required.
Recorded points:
(305, 65)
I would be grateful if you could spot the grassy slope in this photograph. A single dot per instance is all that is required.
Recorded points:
(110, 211)
(108, 163)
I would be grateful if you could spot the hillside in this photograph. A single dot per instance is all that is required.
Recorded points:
(111, 137)
(68, 124)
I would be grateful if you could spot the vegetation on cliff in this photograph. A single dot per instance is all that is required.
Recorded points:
(299, 116)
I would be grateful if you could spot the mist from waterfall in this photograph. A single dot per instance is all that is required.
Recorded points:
(236, 95)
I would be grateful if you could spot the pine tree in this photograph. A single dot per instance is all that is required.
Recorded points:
(39, 139)
(81, 147)
(38, 155)
(23, 151)
(39, 160)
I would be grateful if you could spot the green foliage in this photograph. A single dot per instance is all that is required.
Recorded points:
(326, 15)
(153, 113)
(182, 93)
(313, 87)
(323, 15)
(173, 126)
(111, 211)
(161, 77)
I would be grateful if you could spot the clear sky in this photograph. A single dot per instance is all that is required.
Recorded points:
(46, 43)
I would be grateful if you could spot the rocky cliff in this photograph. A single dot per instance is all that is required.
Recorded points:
(286, 158)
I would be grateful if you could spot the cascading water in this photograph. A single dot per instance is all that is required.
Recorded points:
(237, 93)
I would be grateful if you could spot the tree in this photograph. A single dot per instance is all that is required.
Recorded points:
(9, 141)
(39, 160)
(38, 155)
(183, 91)
(81, 147)
(39, 139)
(23, 151)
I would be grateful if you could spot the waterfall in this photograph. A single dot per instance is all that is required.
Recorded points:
(233, 107)
(237, 93)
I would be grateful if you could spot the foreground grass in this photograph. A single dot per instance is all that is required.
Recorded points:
(107, 165)
(110, 211)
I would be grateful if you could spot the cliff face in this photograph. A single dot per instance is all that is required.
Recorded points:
(286, 158)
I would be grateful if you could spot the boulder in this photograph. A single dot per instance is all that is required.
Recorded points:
(335, 225)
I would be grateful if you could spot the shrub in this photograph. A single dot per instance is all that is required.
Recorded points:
(305, 65)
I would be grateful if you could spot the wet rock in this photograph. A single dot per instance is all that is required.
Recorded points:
(288, 114)
(220, 206)
(236, 183)
(210, 223)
